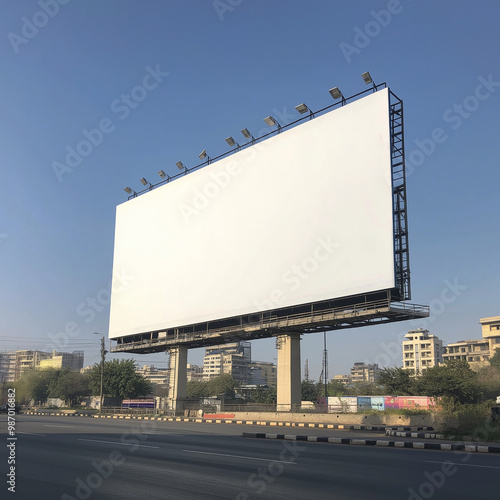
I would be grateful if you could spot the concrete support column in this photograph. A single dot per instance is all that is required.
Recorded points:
(178, 377)
(289, 384)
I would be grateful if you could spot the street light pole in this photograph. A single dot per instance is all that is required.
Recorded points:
(103, 355)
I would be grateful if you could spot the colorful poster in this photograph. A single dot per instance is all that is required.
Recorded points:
(391, 402)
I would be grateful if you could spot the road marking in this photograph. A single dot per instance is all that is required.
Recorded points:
(31, 433)
(54, 425)
(239, 456)
(117, 442)
(463, 465)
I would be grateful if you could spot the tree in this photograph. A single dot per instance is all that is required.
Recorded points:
(69, 386)
(222, 385)
(488, 378)
(337, 388)
(455, 380)
(365, 389)
(397, 381)
(264, 395)
(311, 391)
(120, 380)
(33, 385)
(495, 359)
(196, 389)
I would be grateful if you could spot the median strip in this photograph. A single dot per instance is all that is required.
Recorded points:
(378, 442)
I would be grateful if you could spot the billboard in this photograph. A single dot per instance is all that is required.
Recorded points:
(302, 217)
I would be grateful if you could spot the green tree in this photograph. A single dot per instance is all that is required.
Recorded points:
(120, 380)
(455, 381)
(365, 389)
(33, 385)
(396, 381)
(69, 386)
(337, 388)
(222, 385)
(264, 395)
(311, 391)
(488, 378)
(196, 389)
(495, 359)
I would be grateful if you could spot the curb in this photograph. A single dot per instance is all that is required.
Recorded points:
(421, 435)
(270, 423)
(230, 421)
(470, 448)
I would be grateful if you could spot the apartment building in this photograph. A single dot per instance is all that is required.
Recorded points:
(233, 358)
(490, 329)
(263, 373)
(72, 360)
(421, 350)
(362, 372)
(13, 363)
(194, 373)
(477, 352)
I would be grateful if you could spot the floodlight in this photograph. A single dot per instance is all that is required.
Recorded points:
(128, 190)
(302, 108)
(335, 93)
(246, 134)
(203, 154)
(231, 141)
(144, 182)
(162, 174)
(180, 165)
(367, 77)
(271, 121)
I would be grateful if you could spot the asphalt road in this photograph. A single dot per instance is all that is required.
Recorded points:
(78, 458)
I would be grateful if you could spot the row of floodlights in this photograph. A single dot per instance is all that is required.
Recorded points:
(270, 120)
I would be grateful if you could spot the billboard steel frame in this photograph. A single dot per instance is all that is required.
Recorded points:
(384, 306)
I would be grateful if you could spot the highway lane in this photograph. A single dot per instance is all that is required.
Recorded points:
(79, 458)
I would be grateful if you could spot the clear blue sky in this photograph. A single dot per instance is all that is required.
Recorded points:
(231, 63)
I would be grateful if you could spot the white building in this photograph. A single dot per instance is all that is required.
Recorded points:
(421, 350)
(233, 358)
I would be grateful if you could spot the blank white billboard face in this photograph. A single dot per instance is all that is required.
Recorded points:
(302, 217)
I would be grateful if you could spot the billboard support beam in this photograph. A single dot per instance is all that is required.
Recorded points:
(288, 383)
(401, 248)
(178, 377)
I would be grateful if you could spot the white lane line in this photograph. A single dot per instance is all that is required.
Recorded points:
(54, 425)
(31, 433)
(463, 465)
(239, 456)
(117, 442)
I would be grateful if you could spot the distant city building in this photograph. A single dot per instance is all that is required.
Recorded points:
(477, 352)
(194, 373)
(233, 358)
(362, 372)
(345, 379)
(491, 331)
(421, 350)
(72, 360)
(7, 366)
(12, 364)
(157, 376)
(263, 373)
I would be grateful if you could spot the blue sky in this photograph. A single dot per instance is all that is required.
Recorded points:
(230, 63)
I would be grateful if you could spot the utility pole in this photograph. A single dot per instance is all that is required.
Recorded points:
(306, 371)
(324, 371)
(103, 356)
